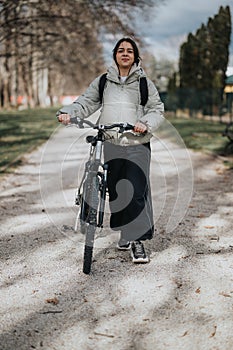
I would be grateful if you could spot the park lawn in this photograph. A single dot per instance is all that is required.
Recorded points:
(205, 136)
(200, 134)
(21, 132)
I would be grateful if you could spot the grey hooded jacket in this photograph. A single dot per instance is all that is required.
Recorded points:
(121, 103)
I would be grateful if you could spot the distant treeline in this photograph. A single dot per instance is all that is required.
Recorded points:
(199, 83)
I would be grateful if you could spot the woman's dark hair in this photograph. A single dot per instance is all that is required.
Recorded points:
(135, 49)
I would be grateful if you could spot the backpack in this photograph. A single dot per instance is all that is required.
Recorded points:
(142, 86)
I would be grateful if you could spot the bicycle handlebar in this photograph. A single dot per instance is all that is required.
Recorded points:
(122, 126)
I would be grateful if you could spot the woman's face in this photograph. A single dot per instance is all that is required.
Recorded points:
(125, 56)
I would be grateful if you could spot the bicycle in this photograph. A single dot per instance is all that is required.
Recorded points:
(91, 193)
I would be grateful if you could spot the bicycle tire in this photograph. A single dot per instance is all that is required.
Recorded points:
(92, 223)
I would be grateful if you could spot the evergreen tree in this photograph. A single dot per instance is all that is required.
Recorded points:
(203, 63)
(188, 65)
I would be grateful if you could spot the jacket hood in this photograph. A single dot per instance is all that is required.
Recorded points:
(135, 72)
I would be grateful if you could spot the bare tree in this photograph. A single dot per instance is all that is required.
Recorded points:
(56, 46)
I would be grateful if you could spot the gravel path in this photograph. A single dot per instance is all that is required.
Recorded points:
(181, 300)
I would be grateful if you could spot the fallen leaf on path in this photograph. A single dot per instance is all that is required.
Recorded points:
(198, 290)
(214, 332)
(220, 171)
(185, 333)
(53, 301)
(225, 294)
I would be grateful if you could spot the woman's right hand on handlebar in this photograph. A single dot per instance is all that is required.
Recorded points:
(64, 119)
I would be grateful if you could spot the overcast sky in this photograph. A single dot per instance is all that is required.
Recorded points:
(170, 24)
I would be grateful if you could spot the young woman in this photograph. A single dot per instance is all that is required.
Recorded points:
(128, 154)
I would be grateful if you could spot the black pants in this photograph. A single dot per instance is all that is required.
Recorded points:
(129, 190)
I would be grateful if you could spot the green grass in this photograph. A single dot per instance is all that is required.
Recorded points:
(21, 132)
(203, 135)
(200, 134)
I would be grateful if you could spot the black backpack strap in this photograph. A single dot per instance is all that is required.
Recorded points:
(102, 82)
(143, 90)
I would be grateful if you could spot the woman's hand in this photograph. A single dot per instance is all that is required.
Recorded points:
(64, 119)
(140, 127)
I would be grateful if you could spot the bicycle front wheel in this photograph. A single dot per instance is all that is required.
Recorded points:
(93, 198)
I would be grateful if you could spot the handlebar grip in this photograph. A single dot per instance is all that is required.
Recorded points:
(77, 121)
(129, 127)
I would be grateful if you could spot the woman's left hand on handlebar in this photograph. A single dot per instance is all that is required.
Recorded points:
(64, 119)
(140, 127)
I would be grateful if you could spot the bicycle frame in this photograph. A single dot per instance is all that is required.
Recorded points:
(94, 185)
(96, 168)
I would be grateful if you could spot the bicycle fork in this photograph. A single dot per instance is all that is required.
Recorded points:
(103, 190)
